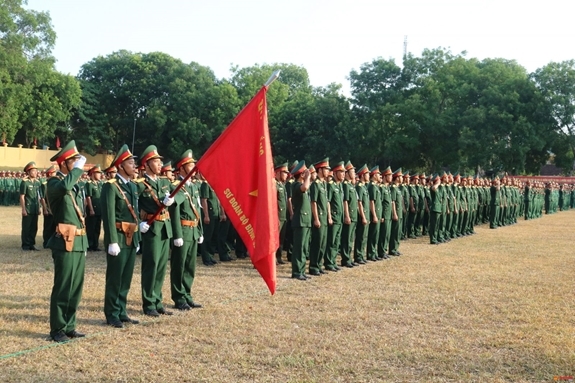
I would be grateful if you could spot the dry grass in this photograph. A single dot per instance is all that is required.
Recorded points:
(494, 307)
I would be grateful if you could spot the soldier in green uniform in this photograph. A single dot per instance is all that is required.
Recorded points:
(93, 190)
(495, 203)
(167, 171)
(375, 214)
(386, 211)
(335, 200)
(187, 228)
(321, 218)
(301, 220)
(350, 207)
(49, 226)
(435, 209)
(281, 175)
(154, 193)
(110, 172)
(68, 243)
(397, 210)
(212, 214)
(121, 237)
(288, 241)
(361, 232)
(30, 200)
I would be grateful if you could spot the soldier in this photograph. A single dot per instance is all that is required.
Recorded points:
(30, 200)
(375, 211)
(288, 242)
(68, 243)
(495, 203)
(187, 227)
(167, 171)
(385, 227)
(301, 220)
(335, 200)
(350, 207)
(111, 172)
(154, 193)
(362, 230)
(435, 209)
(94, 217)
(121, 237)
(49, 226)
(321, 217)
(397, 210)
(281, 174)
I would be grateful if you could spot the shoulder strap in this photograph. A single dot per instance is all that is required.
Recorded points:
(127, 203)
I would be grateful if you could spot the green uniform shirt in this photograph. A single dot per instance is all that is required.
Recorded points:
(116, 210)
(351, 197)
(318, 194)
(30, 189)
(335, 197)
(301, 206)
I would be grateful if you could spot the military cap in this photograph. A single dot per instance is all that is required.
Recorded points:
(322, 164)
(122, 155)
(340, 167)
(387, 171)
(282, 168)
(374, 170)
(312, 169)
(30, 166)
(95, 169)
(300, 168)
(186, 158)
(397, 173)
(68, 151)
(435, 177)
(293, 165)
(364, 169)
(422, 176)
(111, 169)
(444, 176)
(349, 166)
(150, 153)
(414, 176)
(167, 167)
(51, 169)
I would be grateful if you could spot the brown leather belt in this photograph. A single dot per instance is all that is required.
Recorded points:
(189, 223)
(161, 217)
(119, 226)
(78, 231)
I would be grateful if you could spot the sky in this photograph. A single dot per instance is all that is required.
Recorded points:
(328, 38)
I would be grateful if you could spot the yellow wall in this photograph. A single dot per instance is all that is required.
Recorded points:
(15, 158)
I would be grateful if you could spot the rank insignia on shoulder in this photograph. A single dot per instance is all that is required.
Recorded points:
(111, 181)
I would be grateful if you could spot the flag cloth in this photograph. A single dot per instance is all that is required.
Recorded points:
(57, 142)
(239, 167)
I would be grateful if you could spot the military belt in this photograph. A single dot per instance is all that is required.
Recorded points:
(189, 223)
(164, 215)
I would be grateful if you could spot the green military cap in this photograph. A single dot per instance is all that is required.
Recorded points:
(150, 153)
(386, 171)
(349, 166)
(30, 166)
(406, 174)
(122, 155)
(374, 170)
(282, 168)
(312, 169)
(95, 169)
(293, 165)
(300, 168)
(397, 173)
(444, 176)
(414, 176)
(167, 167)
(322, 164)
(340, 167)
(51, 169)
(364, 169)
(111, 169)
(186, 158)
(435, 177)
(68, 151)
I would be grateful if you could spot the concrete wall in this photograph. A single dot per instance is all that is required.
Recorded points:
(15, 158)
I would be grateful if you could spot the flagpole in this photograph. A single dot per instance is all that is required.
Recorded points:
(272, 78)
(176, 190)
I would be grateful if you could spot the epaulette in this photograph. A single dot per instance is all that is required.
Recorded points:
(331, 182)
(317, 181)
(140, 180)
(176, 182)
(360, 183)
(163, 177)
(291, 181)
(111, 181)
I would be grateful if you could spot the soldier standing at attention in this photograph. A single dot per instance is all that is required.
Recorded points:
(30, 200)
(362, 230)
(435, 209)
(385, 228)
(281, 174)
(49, 226)
(154, 193)
(94, 217)
(111, 172)
(397, 210)
(375, 210)
(335, 200)
(211, 218)
(350, 207)
(121, 237)
(167, 171)
(187, 228)
(301, 220)
(321, 217)
(68, 243)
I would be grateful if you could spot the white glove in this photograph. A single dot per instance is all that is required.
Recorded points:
(167, 200)
(178, 242)
(80, 163)
(138, 248)
(113, 249)
(144, 227)
(201, 240)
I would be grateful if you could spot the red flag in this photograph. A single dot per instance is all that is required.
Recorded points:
(57, 142)
(244, 184)
(4, 138)
(35, 142)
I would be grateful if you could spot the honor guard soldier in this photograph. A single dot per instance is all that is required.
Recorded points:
(350, 207)
(121, 237)
(375, 210)
(321, 218)
(93, 191)
(361, 232)
(397, 209)
(49, 226)
(435, 209)
(154, 194)
(111, 172)
(335, 200)
(281, 175)
(188, 233)
(301, 220)
(385, 227)
(168, 171)
(68, 243)
(30, 201)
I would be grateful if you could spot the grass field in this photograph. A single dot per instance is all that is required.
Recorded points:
(494, 307)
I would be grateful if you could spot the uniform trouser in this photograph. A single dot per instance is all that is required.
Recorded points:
(301, 240)
(425, 225)
(527, 210)
(441, 227)
(288, 240)
(333, 242)
(29, 230)
(411, 218)
(419, 221)
(465, 222)
(373, 239)
(183, 271)
(493, 217)
(221, 240)
(456, 226)
(403, 227)
(347, 239)
(209, 231)
(282, 234)
(154, 263)
(93, 229)
(384, 235)
(434, 220)
(360, 242)
(395, 235)
(119, 271)
(49, 229)
(318, 247)
(67, 289)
